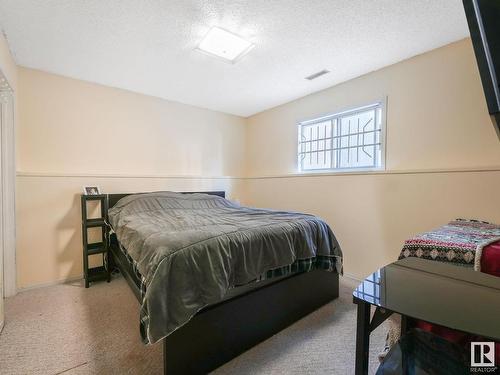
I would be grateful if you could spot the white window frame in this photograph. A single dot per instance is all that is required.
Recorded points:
(336, 115)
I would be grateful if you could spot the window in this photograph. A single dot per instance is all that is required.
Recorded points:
(349, 140)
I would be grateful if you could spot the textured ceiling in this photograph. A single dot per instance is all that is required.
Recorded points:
(148, 46)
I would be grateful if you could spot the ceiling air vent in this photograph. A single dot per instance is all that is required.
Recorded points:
(318, 74)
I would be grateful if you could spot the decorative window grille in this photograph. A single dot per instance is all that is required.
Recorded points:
(350, 140)
(369, 290)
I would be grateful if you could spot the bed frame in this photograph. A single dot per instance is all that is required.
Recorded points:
(221, 332)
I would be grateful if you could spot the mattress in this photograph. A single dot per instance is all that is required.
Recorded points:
(192, 250)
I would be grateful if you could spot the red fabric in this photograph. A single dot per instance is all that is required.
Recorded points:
(490, 259)
(490, 264)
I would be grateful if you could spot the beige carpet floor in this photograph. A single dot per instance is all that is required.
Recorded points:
(67, 329)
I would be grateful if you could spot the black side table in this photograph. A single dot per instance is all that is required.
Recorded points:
(101, 247)
(455, 297)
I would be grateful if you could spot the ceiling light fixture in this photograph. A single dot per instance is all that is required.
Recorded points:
(225, 45)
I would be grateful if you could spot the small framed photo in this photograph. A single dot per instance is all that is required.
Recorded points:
(91, 190)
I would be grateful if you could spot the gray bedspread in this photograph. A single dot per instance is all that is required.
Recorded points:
(192, 248)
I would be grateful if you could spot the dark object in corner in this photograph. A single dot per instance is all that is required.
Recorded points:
(483, 17)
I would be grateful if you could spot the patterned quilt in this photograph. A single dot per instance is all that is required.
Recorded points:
(460, 242)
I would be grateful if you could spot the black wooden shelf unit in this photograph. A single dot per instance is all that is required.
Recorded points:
(94, 248)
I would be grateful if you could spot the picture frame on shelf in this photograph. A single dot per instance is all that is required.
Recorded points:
(91, 190)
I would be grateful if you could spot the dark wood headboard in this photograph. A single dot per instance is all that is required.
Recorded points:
(114, 198)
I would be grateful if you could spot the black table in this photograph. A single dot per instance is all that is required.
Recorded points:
(440, 293)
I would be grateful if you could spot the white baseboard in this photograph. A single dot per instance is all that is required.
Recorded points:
(350, 281)
(50, 283)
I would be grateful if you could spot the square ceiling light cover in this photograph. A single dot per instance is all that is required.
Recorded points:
(224, 44)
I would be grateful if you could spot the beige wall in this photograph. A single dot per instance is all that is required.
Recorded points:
(437, 124)
(72, 133)
(436, 121)
(70, 126)
(436, 116)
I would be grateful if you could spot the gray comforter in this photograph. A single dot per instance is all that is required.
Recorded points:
(192, 248)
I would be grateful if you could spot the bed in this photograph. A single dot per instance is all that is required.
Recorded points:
(235, 305)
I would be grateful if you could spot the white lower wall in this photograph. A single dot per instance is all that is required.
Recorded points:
(372, 214)
(49, 239)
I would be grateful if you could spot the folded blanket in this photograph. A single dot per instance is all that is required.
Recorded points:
(460, 242)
